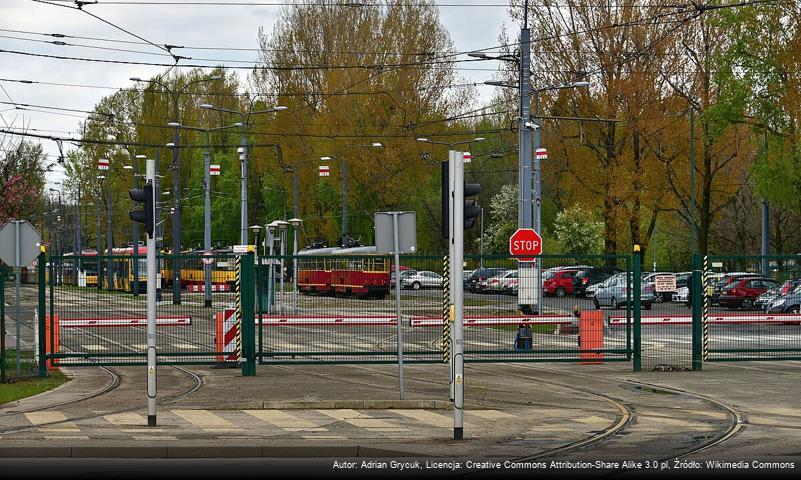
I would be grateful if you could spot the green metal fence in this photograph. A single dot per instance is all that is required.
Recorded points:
(18, 329)
(98, 307)
(341, 309)
(747, 308)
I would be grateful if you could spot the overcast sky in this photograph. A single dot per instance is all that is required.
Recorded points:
(236, 26)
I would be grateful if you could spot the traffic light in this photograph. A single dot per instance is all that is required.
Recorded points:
(471, 208)
(144, 196)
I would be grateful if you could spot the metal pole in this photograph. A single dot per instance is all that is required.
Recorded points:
(109, 240)
(524, 215)
(207, 222)
(451, 256)
(151, 311)
(398, 302)
(243, 221)
(295, 270)
(176, 214)
(281, 270)
(17, 273)
(481, 244)
(692, 181)
(458, 297)
(135, 268)
(765, 237)
(99, 243)
(295, 212)
(344, 201)
(158, 228)
(271, 273)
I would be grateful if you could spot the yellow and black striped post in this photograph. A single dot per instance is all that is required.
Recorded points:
(238, 317)
(446, 311)
(705, 318)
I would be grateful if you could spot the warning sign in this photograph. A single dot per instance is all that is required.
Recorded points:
(665, 283)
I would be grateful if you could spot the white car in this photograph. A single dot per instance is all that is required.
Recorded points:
(681, 295)
(499, 282)
(424, 279)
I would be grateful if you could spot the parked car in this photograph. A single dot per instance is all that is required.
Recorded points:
(682, 295)
(763, 301)
(479, 275)
(497, 283)
(614, 292)
(590, 291)
(726, 279)
(560, 284)
(510, 288)
(589, 276)
(424, 279)
(789, 303)
(742, 292)
(403, 274)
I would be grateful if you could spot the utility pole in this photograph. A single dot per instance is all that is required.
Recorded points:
(457, 290)
(109, 239)
(344, 201)
(151, 304)
(692, 182)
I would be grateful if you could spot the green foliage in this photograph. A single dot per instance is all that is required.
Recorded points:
(579, 231)
(503, 212)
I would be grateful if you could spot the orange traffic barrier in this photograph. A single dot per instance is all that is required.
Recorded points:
(591, 337)
(52, 340)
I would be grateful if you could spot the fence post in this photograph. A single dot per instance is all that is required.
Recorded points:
(41, 266)
(705, 312)
(2, 324)
(247, 327)
(637, 280)
(697, 297)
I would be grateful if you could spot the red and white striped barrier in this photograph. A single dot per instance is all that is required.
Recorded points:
(226, 334)
(493, 321)
(215, 287)
(726, 319)
(324, 321)
(124, 322)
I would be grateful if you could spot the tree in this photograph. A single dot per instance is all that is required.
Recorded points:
(503, 212)
(22, 180)
(352, 76)
(579, 231)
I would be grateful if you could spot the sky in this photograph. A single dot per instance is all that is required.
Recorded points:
(472, 24)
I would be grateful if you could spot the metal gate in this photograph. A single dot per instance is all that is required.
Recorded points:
(746, 308)
(340, 308)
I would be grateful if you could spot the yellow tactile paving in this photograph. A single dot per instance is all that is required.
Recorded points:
(52, 417)
(130, 418)
(285, 420)
(361, 420)
(489, 414)
(206, 420)
(429, 418)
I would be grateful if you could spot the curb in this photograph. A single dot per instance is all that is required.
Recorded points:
(201, 452)
(336, 405)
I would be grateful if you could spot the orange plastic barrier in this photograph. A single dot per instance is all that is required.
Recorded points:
(52, 332)
(591, 337)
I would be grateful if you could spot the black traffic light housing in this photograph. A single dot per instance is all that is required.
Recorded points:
(145, 216)
(471, 207)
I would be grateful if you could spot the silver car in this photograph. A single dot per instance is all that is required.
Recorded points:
(424, 279)
(614, 292)
(500, 282)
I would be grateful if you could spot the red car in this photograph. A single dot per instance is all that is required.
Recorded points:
(560, 284)
(742, 292)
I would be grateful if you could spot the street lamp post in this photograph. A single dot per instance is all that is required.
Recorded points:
(282, 225)
(243, 157)
(176, 179)
(272, 228)
(295, 222)
(207, 297)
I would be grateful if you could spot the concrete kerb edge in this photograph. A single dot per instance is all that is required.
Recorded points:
(337, 404)
(311, 451)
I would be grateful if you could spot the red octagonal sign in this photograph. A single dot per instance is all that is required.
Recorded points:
(525, 241)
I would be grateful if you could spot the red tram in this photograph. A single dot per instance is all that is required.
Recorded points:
(343, 271)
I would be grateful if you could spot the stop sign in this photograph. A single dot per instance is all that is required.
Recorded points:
(525, 241)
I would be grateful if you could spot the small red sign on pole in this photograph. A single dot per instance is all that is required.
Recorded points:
(214, 169)
(323, 170)
(542, 154)
(525, 242)
(102, 164)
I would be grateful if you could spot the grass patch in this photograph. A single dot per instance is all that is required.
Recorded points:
(25, 388)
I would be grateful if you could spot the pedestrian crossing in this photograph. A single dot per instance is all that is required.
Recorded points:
(309, 424)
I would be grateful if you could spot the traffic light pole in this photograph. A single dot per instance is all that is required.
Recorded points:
(151, 302)
(457, 288)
